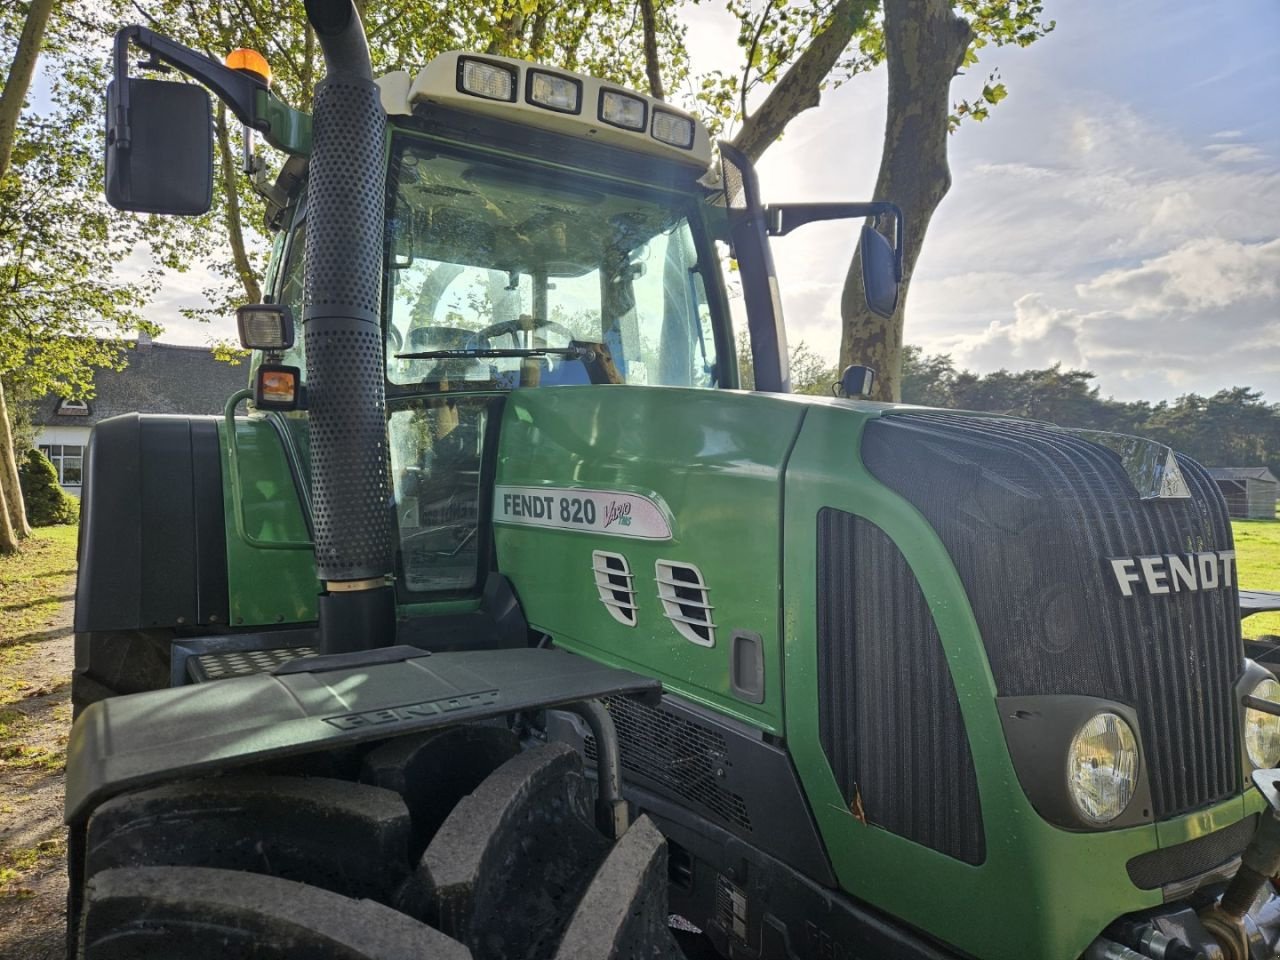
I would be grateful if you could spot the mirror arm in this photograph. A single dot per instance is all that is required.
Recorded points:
(782, 218)
(237, 90)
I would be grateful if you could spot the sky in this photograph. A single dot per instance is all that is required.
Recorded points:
(1118, 212)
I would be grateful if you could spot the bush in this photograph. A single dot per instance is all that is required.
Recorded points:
(47, 503)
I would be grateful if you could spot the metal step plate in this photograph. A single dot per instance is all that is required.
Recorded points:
(242, 663)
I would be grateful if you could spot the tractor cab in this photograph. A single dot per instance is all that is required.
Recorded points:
(583, 255)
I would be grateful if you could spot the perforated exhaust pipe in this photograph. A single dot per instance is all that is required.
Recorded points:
(350, 489)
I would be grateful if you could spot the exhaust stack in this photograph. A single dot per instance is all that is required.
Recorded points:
(345, 222)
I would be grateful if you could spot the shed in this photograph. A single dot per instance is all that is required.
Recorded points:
(1250, 491)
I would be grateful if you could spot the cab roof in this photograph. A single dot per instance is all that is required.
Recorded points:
(441, 82)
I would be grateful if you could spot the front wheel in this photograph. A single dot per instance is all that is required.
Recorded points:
(455, 844)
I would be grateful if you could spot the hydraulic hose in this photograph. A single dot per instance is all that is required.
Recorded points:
(343, 337)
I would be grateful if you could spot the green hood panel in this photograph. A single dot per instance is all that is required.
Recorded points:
(712, 463)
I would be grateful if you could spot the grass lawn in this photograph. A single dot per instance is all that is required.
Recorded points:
(33, 585)
(1258, 563)
(35, 712)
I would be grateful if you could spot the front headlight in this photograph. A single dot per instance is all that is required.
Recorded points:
(1102, 767)
(1262, 730)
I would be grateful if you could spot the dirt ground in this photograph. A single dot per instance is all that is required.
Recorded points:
(34, 722)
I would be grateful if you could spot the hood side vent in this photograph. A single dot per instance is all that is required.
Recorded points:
(616, 585)
(686, 601)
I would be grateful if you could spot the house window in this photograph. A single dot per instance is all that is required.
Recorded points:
(72, 408)
(67, 460)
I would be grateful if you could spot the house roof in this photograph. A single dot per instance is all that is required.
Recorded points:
(1243, 473)
(159, 378)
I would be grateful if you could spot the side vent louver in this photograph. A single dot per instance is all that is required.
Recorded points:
(614, 583)
(686, 602)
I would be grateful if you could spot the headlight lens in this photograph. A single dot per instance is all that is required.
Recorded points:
(1102, 767)
(1262, 730)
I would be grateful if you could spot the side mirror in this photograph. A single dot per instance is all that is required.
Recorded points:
(879, 272)
(159, 147)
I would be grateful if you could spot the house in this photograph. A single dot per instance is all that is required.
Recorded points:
(159, 378)
(1250, 491)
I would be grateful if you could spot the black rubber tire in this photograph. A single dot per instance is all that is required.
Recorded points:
(203, 914)
(434, 771)
(504, 873)
(288, 827)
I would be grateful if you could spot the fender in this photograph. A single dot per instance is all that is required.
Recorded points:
(313, 704)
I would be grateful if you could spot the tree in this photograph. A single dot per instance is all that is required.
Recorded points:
(925, 43)
(810, 374)
(62, 309)
(13, 521)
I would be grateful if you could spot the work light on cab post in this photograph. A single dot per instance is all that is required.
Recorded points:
(269, 327)
(252, 64)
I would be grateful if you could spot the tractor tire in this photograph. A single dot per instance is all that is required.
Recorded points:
(202, 914)
(457, 831)
(113, 662)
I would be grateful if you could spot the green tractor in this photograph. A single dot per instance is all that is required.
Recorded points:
(505, 626)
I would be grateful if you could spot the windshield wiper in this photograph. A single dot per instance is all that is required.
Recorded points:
(573, 353)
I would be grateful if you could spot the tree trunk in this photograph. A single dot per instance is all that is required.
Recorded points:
(21, 71)
(651, 68)
(15, 511)
(13, 518)
(235, 229)
(925, 43)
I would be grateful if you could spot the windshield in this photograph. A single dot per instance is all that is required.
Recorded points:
(502, 275)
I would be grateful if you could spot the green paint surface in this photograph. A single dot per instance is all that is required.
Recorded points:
(265, 586)
(714, 458)
(1042, 891)
(287, 129)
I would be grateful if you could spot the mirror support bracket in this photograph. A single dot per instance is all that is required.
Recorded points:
(784, 217)
(237, 90)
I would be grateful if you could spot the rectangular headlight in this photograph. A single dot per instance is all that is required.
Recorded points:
(553, 91)
(622, 110)
(481, 78)
(265, 326)
(673, 129)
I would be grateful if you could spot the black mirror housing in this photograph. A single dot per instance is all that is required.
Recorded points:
(879, 272)
(166, 164)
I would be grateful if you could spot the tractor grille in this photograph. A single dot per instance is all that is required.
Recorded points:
(1030, 516)
(888, 716)
(684, 758)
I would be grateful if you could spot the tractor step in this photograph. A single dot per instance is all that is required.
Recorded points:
(242, 663)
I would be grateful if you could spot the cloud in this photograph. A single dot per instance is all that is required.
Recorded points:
(1200, 317)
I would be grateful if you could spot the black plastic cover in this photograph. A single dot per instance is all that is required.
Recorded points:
(153, 549)
(145, 738)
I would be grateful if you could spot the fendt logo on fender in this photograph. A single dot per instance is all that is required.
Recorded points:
(1174, 572)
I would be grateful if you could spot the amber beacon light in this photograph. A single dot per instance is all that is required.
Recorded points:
(251, 62)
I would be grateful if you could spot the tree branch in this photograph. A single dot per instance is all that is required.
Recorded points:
(235, 232)
(801, 86)
(650, 18)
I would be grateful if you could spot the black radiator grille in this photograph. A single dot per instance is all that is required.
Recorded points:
(888, 715)
(1030, 516)
(684, 758)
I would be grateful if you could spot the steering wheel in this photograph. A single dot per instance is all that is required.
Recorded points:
(513, 327)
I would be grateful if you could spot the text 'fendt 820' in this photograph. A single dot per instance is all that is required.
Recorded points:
(504, 625)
